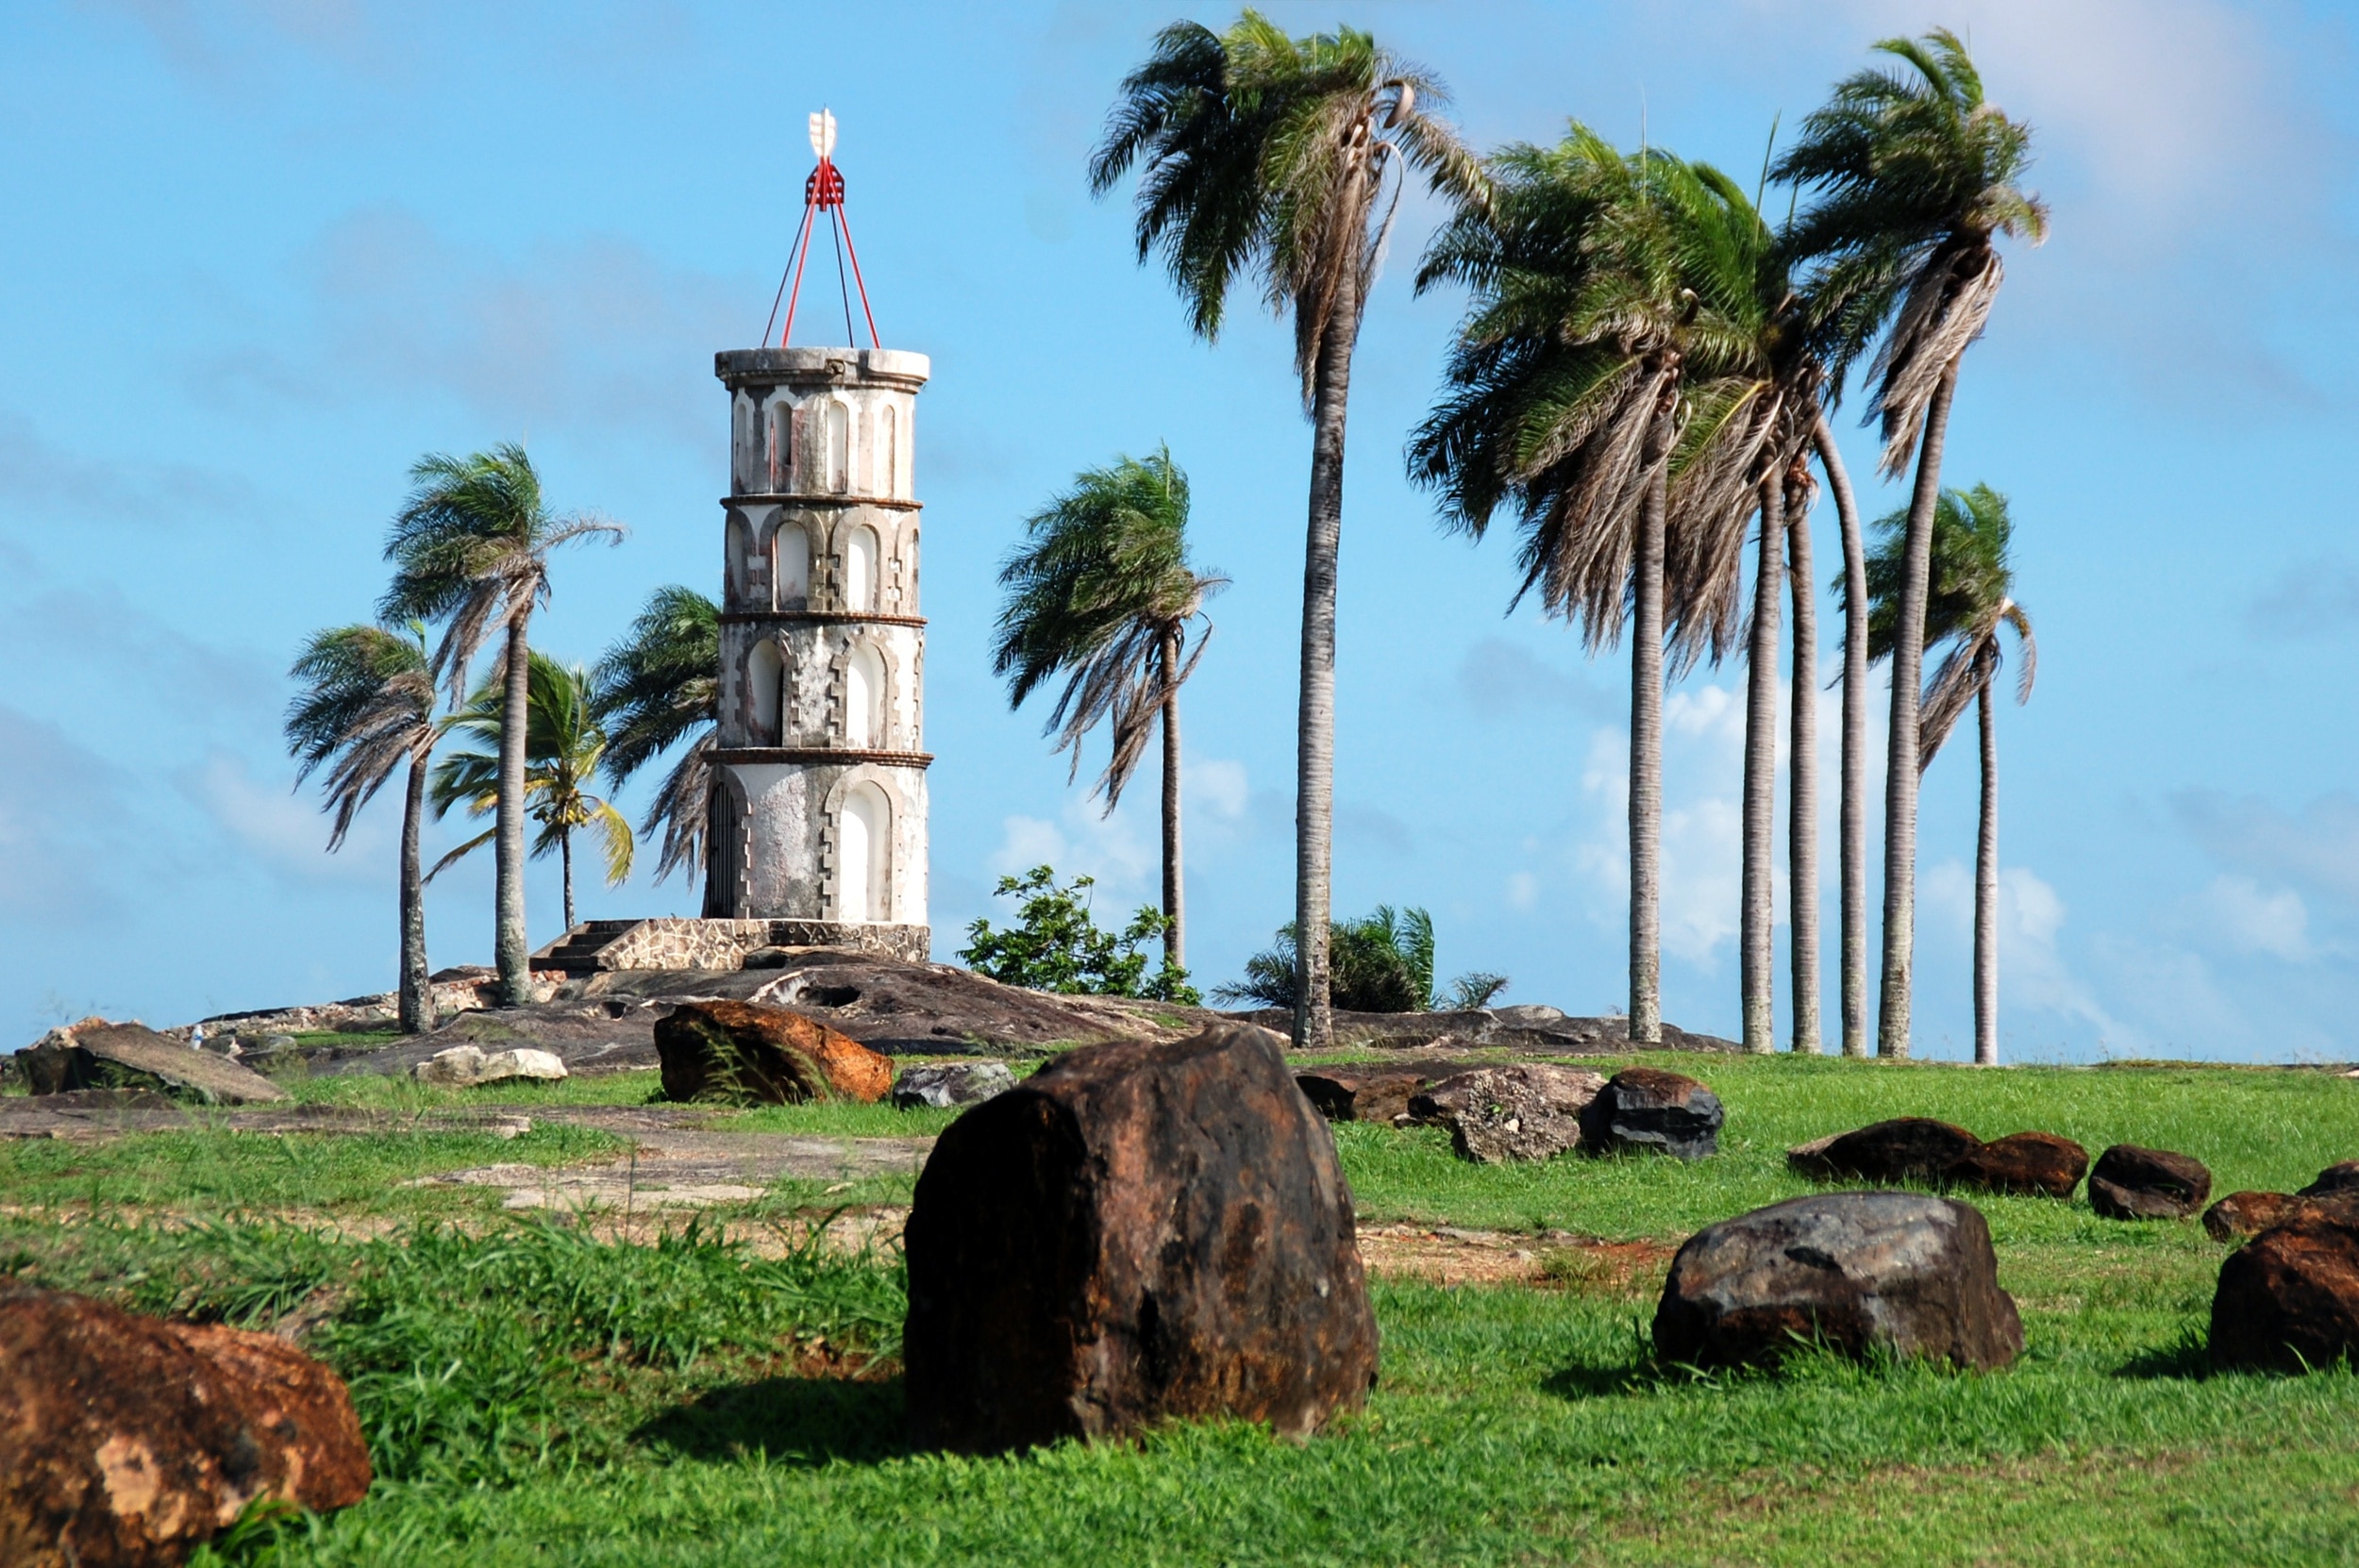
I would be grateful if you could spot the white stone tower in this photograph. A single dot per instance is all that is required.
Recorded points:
(817, 815)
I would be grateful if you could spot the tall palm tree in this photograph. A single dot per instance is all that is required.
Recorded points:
(1801, 834)
(1264, 154)
(1101, 594)
(367, 706)
(1917, 176)
(1971, 596)
(1565, 397)
(657, 686)
(1852, 589)
(565, 746)
(471, 549)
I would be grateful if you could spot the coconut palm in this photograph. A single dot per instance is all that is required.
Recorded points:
(1101, 594)
(1916, 175)
(1971, 596)
(1852, 829)
(367, 706)
(565, 746)
(1565, 395)
(1384, 963)
(1267, 154)
(471, 550)
(657, 686)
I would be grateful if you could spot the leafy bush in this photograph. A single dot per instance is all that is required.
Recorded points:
(1057, 946)
(1380, 963)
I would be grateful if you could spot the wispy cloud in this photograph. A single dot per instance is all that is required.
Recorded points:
(2309, 598)
(39, 478)
(64, 824)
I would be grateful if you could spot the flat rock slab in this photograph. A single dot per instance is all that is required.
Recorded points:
(1858, 1272)
(94, 1053)
(127, 1439)
(692, 1170)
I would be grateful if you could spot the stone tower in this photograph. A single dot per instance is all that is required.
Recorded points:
(817, 814)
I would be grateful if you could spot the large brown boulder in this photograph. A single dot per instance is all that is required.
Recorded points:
(746, 1051)
(94, 1053)
(1649, 1111)
(1518, 1113)
(2288, 1299)
(1902, 1272)
(127, 1439)
(2244, 1214)
(1904, 1149)
(2133, 1183)
(1136, 1232)
(2037, 1164)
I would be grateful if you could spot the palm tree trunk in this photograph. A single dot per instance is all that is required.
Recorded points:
(565, 853)
(1175, 890)
(1907, 665)
(1646, 745)
(1853, 831)
(1801, 834)
(1315, 771)
(1986, 896)
(415, 1007)
(1757, 957)
(512, 955)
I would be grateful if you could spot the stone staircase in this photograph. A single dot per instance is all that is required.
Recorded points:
(575, 953)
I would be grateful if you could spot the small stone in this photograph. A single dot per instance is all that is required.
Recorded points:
(2133, 1183)
(2288, 1299)
(1136, 1233)
(945, 1085)
(1495, 1115)
(128, 1440)
(749, 1052)
(1646, 1110)
(1903, 1272)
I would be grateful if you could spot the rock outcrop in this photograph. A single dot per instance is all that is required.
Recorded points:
(95, 1053)
(127, 1439)
(947, 1084)
(1651, 1112)
(2288, 1299)
(2133, 1183)
(1136, 1232)
(1521, 1112)
(1858, 1272)
(748, 1053)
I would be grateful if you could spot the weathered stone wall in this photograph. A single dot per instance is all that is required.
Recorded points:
(672, 943)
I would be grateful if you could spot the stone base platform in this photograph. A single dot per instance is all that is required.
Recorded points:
(671, 943)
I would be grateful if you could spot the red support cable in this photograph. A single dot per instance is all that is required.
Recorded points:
(845, 224)
(824, 192)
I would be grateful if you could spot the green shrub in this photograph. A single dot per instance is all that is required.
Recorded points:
(1056, 946)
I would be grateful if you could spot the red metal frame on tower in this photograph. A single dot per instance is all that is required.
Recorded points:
(823, 197)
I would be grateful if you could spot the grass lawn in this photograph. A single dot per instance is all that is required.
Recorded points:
(536, 1396)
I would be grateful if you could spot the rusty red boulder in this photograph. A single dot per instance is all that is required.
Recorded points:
(776, 1055)
(2288, 1299)
(1136, 1232)
(2039, 1164)
(127, 1439)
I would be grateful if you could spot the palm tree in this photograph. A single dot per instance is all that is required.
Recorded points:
(565, 746)
(367, 706)
(1852, 589)
(1102, 593)
(471, 549)
(657, 686)
(1267, 154)
(1971, 596)
(1917, 176)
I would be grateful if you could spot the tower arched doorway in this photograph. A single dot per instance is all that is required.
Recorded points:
(864, 847)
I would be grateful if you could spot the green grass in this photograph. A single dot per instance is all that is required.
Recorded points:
(536, 1396)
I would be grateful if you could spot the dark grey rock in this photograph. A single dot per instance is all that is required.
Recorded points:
(1859, 1272)
(2132, 1183)
(1648, 1110)
(945, 1085)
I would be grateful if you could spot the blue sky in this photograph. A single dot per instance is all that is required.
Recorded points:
(260, 256)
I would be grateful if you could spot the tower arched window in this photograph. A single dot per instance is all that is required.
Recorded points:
(888, 451)
(863, 846)
(839, 448)
(863, 698)
(738, 541)
(725, 851)
(744, 440)
(860, 571)
(789, 550)
(765, 679)
(780, 446)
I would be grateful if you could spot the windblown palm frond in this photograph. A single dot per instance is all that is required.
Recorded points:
(1915, 173)
(367, 706)
(657, 686)
(1099, 587)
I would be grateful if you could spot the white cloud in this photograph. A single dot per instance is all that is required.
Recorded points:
(62, 824)
(1126, 862)
(1218, 788)
(2316, 847)
(1523, 890)
(287, 831)
(2251, 918)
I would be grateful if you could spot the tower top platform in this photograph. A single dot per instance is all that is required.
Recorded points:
(874, 366)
